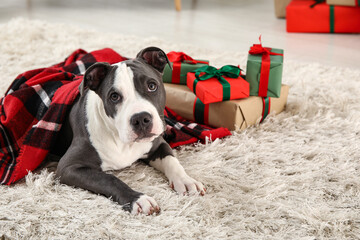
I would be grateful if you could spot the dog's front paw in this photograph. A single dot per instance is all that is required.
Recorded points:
(184, 184)
(146, 205)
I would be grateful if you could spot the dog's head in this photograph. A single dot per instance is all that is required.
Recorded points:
(132, 94)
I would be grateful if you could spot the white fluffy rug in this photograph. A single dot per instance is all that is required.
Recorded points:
(296, 176)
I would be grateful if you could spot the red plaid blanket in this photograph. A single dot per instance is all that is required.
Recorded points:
(36, 103)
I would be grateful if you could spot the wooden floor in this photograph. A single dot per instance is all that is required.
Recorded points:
(230, 25)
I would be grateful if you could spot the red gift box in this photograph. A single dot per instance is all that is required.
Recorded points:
(309, 16)
(214, 90)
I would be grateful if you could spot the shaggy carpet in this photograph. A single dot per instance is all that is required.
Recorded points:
(295, 176)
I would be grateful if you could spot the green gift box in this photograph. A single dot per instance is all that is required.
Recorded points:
(181, 64)
(264, 71)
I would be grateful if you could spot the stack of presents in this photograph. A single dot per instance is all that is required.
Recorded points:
(224, 96)
(320, 16)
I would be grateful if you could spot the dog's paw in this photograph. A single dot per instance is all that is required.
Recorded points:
(146, 205)
(184, 184)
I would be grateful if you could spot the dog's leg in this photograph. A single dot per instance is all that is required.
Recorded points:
(163, 159)
(90, 177)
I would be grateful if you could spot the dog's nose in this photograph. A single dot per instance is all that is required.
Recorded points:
(141, 122)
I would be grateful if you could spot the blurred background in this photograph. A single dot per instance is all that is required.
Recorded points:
(224, 25)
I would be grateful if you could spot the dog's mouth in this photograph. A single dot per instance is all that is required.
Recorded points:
(145, 137)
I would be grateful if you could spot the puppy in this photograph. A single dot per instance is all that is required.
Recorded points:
(117, 120)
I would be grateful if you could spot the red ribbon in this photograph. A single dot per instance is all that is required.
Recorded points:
(177, 58)
(265, 65)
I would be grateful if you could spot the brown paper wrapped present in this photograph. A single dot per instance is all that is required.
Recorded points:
(343, 2)
(234, 115)
(280, 8)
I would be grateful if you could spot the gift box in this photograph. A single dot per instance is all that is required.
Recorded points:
(344, 2)
(264, 70)
(233, 114)
(307, 16)
(216, 85)
(280, 8)
(181, 64)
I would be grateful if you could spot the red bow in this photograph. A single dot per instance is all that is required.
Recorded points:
(258, 49)
(181, 57)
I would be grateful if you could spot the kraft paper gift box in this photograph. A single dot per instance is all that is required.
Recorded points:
(234, 114)
(280, 8)
(307, 16)
(216, 85)
(264, 70)
(181, 64)
(344, 2)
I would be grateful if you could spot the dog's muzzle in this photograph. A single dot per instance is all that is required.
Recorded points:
(142, 124)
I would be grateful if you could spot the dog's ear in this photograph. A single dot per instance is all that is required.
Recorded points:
(94, 76)
(155, 57)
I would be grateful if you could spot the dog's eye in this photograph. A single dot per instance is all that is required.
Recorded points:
(152, 87)
(115, 97)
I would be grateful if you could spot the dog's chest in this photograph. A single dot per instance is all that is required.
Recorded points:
(117, 155)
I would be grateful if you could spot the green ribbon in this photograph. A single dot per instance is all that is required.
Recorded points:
(266, 108)
(199, 111)
(210, 72)
(316, 3)
(332, 19)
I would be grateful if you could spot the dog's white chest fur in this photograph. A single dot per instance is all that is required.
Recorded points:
(105, 138)
(119, 156)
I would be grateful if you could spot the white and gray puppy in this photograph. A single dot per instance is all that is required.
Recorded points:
(117, 120)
